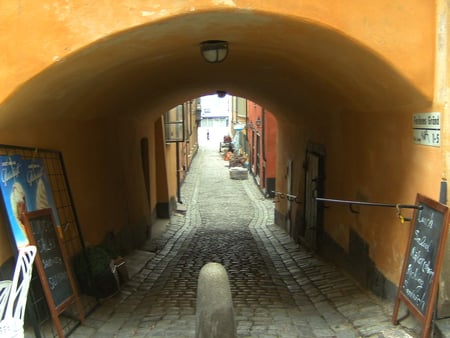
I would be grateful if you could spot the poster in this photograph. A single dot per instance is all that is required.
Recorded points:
(25, 187)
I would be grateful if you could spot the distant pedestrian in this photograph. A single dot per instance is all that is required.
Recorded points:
(207, 134)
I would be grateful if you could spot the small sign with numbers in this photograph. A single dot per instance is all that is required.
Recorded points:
(427, 129)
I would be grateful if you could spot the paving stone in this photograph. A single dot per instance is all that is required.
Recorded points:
(84, 331)
(279, 289)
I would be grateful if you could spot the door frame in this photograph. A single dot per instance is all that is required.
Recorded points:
(314, 185)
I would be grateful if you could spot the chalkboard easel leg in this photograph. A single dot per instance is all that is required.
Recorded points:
(395, 312)
(57, 323)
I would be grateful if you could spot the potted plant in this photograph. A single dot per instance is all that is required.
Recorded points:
(93, 269)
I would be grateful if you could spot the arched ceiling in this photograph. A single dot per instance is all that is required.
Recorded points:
(290, 66)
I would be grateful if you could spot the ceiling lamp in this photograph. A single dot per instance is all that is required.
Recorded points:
(214, 51)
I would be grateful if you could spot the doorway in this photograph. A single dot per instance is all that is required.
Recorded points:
(314, 187)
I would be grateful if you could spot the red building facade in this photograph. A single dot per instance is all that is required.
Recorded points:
(262, 139)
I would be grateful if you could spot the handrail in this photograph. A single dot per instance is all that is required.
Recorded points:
(289, 197)
(372, 204)
(387, 205)
(399, 207)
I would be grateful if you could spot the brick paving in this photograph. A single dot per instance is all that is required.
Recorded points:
(279, 289)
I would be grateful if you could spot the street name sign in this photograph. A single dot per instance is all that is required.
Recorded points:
(427, 129)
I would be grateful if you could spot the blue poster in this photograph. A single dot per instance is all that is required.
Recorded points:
(25, 187)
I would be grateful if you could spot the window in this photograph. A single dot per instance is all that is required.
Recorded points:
(174, 124)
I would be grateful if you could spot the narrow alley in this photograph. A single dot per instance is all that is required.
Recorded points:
(279, 289)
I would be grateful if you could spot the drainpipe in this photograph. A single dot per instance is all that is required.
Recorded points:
(178, 173)
(183, 111)
(264, 155)
(263, 133)
(247, 150)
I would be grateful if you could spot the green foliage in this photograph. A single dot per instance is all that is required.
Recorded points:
(98, 260)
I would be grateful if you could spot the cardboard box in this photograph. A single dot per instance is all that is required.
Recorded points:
(238, 173)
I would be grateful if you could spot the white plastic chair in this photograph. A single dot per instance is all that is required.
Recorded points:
(5, 286)
(13, 304)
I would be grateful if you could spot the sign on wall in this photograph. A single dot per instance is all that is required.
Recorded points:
(25, 187)
(427, 129)
(33, 219)
(35, 179)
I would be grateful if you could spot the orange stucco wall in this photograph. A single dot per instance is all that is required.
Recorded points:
(109, 193)
(369, 158)
(52, 29)
(161, 172)
(271, 144)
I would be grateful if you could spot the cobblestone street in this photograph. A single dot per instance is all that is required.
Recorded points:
(279, 289)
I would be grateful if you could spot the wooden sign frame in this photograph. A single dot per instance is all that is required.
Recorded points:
(55, 309)
(423, 261)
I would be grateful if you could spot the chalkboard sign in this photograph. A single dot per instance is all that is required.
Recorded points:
(423, 260)
(51, 263)
(44, 234)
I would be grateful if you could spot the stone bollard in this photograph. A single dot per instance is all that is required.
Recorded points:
(214, 313)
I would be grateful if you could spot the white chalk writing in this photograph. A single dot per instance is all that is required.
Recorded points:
(56, 279)
(49, 262)
(422, 241)
(426, 221)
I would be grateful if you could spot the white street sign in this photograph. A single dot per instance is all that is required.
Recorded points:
(427, 129)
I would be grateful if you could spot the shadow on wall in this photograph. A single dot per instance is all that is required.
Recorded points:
(86, 85)
(358, 263)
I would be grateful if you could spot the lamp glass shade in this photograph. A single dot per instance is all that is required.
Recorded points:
(214, 51)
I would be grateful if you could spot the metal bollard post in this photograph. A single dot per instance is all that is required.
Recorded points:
(214, 313)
